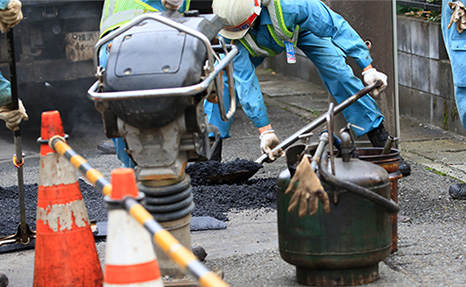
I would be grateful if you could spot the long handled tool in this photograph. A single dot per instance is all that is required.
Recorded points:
(320, 120)
(241, 175)
(24, 233)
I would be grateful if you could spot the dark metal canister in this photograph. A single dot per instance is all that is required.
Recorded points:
(389, 162)
(342, 247)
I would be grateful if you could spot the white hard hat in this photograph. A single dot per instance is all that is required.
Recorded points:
(237, 16)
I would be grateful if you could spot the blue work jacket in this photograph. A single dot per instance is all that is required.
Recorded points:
(315, 20)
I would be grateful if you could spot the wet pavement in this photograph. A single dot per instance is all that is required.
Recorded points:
(431, 229)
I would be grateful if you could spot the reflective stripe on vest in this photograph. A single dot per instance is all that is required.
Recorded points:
(277, 30)
(249, 42)
(119, 12)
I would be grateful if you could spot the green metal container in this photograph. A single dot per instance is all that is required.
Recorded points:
(344, 246)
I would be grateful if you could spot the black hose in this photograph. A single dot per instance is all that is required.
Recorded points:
(388, 205)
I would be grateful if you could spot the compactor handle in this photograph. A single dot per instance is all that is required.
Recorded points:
(213, 71)
(226, 116)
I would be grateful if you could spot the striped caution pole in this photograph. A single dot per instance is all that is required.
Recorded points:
(174, 249)
(169, 244)
(58, 144)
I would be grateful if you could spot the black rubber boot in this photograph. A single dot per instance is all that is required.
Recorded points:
(457, 191)
(106, 147)
(3, 280)
(199, 252)
(404, 167)
(378, 137)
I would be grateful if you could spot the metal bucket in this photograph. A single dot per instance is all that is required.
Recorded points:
(390, 163)
(342, 247)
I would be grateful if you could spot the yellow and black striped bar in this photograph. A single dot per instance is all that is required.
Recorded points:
(59, 145)
(172, 247)
(179, 254)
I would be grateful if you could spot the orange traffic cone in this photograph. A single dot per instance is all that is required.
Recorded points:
(130, 258)
(65, 252)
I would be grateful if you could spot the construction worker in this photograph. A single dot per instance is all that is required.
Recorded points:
(262, 28)
(10, 16)
(453, 25)
(115, 14)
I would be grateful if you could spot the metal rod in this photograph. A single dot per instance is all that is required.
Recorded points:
(24, 234)
(323, 140)
(154, 93)
(320, 120)
(330, 116)
(388, 204)
(388, 144)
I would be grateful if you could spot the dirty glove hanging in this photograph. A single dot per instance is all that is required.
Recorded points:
(308, 191)
(269, 141)
(458, 16)
(11, 16)
(13, 118)
(371, 76)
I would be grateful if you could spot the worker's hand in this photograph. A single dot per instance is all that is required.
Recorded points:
(11, 16)
(371, 76)
(172, 4)
(13, 118)
(458, 16)
(269, 141)
(308, 191)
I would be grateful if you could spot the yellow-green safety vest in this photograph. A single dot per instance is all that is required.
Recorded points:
(277, 29)
(116, 13)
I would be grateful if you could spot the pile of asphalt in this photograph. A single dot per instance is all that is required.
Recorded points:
(211, 199)
(9, 206)
(202, 173)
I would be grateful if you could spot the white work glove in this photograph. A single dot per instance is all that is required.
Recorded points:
(371, 76)
(13, 118)
(458, 16)
(308, 192)
(11, 16)
(172, 4)
(268, 142)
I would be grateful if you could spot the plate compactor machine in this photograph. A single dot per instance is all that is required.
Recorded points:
(160, 69)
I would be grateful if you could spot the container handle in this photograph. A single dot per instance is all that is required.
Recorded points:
(389, 205)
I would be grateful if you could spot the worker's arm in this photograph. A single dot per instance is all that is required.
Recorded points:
(249, 93)
(247, 88)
